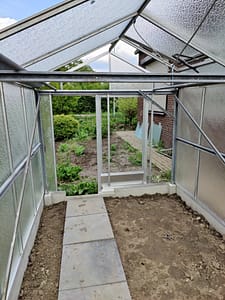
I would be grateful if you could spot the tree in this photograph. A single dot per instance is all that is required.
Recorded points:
(128, 106)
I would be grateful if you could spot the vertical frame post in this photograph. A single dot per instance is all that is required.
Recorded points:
(145, 140)
(174, 154)
(99, 140)
(108, 138)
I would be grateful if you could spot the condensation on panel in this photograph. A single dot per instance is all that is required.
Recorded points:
(214, 116)
(16, 122)
(65, 28)
(29, 101)
(49, 143)
(37, 178)
(183, 18)
(7, 220)
(4, 155)
(28, 210)
(192, 100)
(186, 167)
(78, 50)
(157, 39)
(211, 187)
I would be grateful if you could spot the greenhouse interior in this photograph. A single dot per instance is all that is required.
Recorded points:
(183, 42)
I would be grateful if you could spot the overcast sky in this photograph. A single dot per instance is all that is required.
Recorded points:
(15, 10)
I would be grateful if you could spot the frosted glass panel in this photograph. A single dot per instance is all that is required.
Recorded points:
(65, 28)
(37, 178)
(29, 100)
(16, 123)
(7, 219)
(211, 187)
(183, 17)
(214, 116)
(28, 211)
(186, 167)
(157, 39)
(4, 156)
(79, 50)
(191, 98)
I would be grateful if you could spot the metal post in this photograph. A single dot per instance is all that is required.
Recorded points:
(145, 139)
(99, 140)
(151, 141)
(217, 152)
(108, 135)
(174, 154)
(19, 208)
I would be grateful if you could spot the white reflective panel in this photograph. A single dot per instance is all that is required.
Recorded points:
(211, 187)
(157, 39)
(183, 18)
(79, 50)
(65, 28)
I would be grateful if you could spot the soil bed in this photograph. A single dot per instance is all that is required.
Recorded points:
(41, 278)
(168, 251)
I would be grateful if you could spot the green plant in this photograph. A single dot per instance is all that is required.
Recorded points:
(136, 158)
(68, 172)
(128, 147)
(65, 127)
(128, 106)
(162, 176)
(78, 149)
(64, 147)
(113, 148)
(81, 188)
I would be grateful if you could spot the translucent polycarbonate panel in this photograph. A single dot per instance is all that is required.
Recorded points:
(186, 167)
(7, 220)
(4, 155)
(37, 178)
(214, 116)
(30, 109)
(183, 18)
(16, 122)
(49, 142)
(213, 68)
(157, 39)
(80, 49)
(211, 187)
(66, 27)
(192, 100)
(28, 210)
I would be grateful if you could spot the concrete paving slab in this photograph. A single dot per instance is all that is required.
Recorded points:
(87, 228)
(84, 206)
(90, 264)
(115, 291)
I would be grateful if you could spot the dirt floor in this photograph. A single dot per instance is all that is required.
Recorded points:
(168, 251)
(42, 275)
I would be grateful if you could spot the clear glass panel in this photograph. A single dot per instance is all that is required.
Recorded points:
(4, 155)
(16, 123)
(211, 187)
(157, 39)
(65, 27)
(28, 211)
(186, 167)
(183, 17)
(214, 116)
(192, 99)
(29, 99)
(7, 219)
(37, 178)
(79, 50)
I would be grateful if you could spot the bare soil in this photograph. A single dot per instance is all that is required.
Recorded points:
(168, 251)
(41, 278)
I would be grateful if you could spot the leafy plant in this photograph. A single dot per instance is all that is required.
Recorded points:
(65, 127)
(128, 147)
(113, 148)
(136, 158)
(128, 106)
(162, 176)
(68, 172)
(78, 149)
(81, 188)
(64, 147)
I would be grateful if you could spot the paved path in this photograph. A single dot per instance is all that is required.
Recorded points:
(162, 162)
(91, 268)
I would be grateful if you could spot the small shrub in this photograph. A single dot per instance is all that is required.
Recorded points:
(136, 158)
(68, 172)
(65, 127)
(113, 148)
(64, 147)
(81, 188)
(78, 149)
(128, 147)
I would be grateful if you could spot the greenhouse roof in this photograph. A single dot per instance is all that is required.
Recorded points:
(173, 32)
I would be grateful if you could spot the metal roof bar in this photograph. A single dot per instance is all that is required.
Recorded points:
(29, 76)
(102, 92)
(129, 63)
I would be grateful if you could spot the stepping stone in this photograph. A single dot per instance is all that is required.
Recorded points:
(87, 228)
